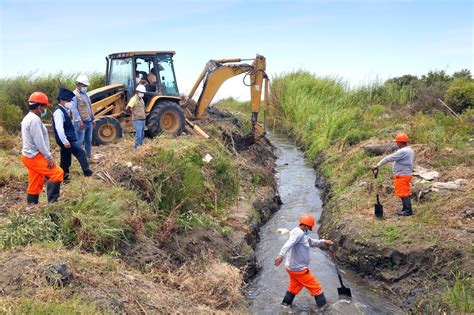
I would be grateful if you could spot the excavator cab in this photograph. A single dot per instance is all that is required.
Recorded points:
(153, 69)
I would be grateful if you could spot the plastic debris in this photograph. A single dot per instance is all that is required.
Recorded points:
(454, 185)
(207, 158)
(283, 231)
(425, 173)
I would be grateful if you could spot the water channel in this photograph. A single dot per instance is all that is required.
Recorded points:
(296, 185)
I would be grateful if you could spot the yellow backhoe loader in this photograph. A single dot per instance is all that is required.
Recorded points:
(167, 111)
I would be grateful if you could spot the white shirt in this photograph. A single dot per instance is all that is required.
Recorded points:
(58, 118)
(296, 249)
(35, 137)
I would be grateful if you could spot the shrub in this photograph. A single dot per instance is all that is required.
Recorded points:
(428, 98)
(460, 95)
(404, 80)
(16, 90)
(10, 117)
(191, 188)
(463, 74)
(433, 77)
(438, 130)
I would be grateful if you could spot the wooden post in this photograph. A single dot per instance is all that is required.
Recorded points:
(452, 111)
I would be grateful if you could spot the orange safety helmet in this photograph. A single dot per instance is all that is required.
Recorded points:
(307, 220)
(401, 137)
(39, 97)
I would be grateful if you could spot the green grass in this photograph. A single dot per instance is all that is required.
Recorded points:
(388, 233)
(100, 218)
(96, 220)
(23, 229)
(329, 119)
(56, 308)
(11, 168)
(185, 186)
(28, 306)
(460, 295)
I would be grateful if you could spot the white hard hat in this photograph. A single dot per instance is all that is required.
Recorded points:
(82, 78)
(140, 88)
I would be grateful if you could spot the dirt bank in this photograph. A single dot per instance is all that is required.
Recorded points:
(415, 265)
(116, 242)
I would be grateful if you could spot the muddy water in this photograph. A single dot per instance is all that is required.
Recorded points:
(299, 195)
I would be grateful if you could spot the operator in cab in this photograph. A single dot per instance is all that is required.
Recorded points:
(152, 76)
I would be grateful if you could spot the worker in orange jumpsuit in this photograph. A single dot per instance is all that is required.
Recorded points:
(402, 172)
(36, 154)
(296, 251)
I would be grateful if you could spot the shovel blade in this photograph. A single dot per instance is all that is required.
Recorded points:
(344, 291)
(378, 211)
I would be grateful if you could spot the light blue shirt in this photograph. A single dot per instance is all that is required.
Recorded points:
(403, 159)
(296, 249)
(75, 112)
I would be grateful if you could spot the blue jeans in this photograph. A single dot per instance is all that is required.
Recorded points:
(139, 126)
(84, 136)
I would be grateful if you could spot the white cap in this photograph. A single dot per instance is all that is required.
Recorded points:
(82, 78)
(140, 88)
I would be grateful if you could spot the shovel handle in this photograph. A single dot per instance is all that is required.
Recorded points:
(332, 252)
(376, 172)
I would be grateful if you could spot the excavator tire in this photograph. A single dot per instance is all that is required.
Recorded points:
(107, 130)
(166, 117)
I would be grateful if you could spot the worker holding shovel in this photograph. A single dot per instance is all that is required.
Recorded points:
(402, 171)
(296, 251)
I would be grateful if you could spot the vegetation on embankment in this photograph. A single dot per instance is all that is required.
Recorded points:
(142, 233)
(426, 259)
(15, 91)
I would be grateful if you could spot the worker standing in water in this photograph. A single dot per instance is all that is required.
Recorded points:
(402, 172)
(296, 251)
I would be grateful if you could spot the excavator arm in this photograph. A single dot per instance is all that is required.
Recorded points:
(216, 72)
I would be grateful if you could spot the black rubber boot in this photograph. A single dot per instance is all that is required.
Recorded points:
(66, 178)
(88, 173)
(32, 199)
(320, 300)
(52, 191)
(406, 211)
(288, 299)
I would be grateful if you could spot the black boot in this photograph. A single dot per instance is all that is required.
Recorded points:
(32, 199)
(320, 300)
(406, 211)
(52, 191)
(66, 178)
(288, 299)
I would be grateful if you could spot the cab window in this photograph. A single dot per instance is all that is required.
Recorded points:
(166, 75)
(121, 73)
(142, 70)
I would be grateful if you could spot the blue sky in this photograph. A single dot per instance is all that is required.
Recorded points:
(358, 41)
